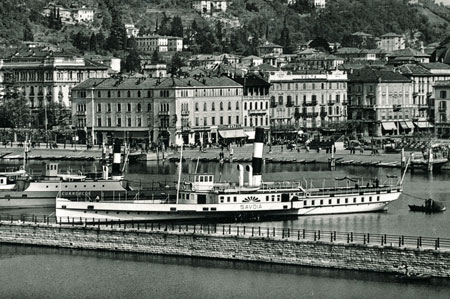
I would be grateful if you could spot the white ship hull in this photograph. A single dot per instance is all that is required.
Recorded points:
(142, 210)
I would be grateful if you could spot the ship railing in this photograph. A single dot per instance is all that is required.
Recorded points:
(235, 230)
(354, 189)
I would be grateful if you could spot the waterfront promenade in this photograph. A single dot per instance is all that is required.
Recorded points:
(240, 154)
(341, 250)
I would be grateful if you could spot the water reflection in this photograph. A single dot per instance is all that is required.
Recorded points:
(397, 220)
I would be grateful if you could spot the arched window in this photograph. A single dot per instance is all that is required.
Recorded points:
(237, 105)
(245, 105)
(251, 105)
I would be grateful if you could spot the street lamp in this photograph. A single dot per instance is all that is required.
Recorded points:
(93, 115)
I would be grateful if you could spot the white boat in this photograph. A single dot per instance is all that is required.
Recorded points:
(41, 192)
(201, 197)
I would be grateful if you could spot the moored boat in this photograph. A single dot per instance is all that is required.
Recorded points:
(200, 197)
(430, 206)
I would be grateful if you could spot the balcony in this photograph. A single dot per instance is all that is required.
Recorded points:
(80, 113)
(257, 112)
(331, 103)
(344, 103)
(323, 114)
(289, 104)
(423, 107)
(184, 112)
(163, 113)
(273, 104)
(442, 109)
(415, 94)
(312, 103)
(396, 108)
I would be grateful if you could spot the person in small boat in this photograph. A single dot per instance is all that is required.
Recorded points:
(429, 203)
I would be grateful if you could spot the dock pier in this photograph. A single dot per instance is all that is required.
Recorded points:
(328, 249)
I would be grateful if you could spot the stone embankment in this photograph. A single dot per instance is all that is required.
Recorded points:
(224, 242)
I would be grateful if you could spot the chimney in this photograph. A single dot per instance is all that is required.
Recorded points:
(116, 173)
(249, 169)
(258, 147)
(241, 175)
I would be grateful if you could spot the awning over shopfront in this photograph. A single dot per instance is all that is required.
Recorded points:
(389, 126)
(406, 125)
(250, 134)
(423, 124)
(236, 133)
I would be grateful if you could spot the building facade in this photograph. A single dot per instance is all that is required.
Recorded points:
(391, 42)
(172, 111)
(151, 43)
(307, 101)
(441, 97)
(209, 6)
(424, 76)
(380, 102)
(46, 77)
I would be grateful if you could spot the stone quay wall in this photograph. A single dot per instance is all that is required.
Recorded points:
(363, 257)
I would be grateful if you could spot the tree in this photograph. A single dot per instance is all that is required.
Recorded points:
(155, 57)
(164, 28)
(133, 62)
(177, 27)
(131, 43)
(14, 109)
(28, 32)
(219, 31)
(93, 42)
(118, 34)
(320, 44)
(285, 40)
(56, 114)
(176, 64)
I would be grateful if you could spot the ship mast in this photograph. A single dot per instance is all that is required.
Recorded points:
(179, 172)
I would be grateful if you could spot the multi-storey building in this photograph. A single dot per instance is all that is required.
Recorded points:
(318, 4)
(255, 102)
(391, 42)
(269, 48)
(423, 77)
(151, 43)
(209, 6)
(307, 101)
(159, 110)
(380, 102)
(441, 93)
(46, 76)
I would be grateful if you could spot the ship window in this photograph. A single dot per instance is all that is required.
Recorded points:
(187, 196)
(278, 197)
(84, 186)
(65, 186)
(354, 199)
(75, 186)
(46, 186)
(128, 213)
(228, 199)
(378, 198)
(201, 179)
(117, 212)
(234, 199)
(312, 202)
(362, 199)
(24, 195)
(273, 197)
(329, 201)
(93, 186)
(338, 201)
(96, 212)
(221, 197)
(205, 209)
(64, 207)
(221, 200)
(107, 212)
(267, 198)
(346, 200)
(370, 198)
(321, 202)
(213, 209)
(103, 185)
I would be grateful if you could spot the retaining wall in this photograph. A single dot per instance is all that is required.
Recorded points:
(244, 248)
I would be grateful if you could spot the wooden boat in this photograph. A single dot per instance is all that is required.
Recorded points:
(430, 206)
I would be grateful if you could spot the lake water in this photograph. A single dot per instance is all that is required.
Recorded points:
(50, 273)
(33, 272)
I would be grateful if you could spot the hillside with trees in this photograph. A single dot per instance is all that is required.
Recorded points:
(260, 20)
